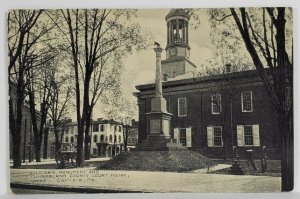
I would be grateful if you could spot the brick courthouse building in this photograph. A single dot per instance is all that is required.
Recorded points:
(214, 113)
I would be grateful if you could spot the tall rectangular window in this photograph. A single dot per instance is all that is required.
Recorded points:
(102, 127)
(247, 101)
(217, 136)
(214, 136)
(216, 104)
(182, 136)
(248, 135)
(95, 127)
(182, 109)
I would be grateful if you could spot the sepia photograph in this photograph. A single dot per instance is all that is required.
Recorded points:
(150, 100)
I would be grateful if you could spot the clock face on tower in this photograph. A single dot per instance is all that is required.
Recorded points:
(173, 51)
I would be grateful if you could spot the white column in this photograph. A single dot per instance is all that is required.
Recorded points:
(158, 76)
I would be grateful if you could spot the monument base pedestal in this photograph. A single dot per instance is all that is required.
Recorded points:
(159, 143)
(156, 146)
(158, 122)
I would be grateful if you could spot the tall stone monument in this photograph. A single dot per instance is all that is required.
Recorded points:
(158, 119)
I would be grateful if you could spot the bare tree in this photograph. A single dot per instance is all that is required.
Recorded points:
(98, 41)
(38, 88)
(60, 104)
(267, 35)
(281, 76)
(23, 34)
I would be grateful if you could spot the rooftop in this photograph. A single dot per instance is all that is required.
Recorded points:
(191, 77)
(178, 12)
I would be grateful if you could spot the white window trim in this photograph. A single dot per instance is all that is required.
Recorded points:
(179, 107)
(253, 136)
(242, 100)
(212, 145)
(212, 104)
(186, 137)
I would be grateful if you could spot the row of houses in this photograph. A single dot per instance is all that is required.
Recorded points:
(106, 138)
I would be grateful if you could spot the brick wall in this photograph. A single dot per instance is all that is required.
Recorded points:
(199, 113)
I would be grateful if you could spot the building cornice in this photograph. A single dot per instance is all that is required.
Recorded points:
(202, 80)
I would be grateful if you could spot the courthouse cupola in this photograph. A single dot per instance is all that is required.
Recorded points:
(177, 60)
(177, 33)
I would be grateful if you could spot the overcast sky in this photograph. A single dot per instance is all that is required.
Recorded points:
(140, 67)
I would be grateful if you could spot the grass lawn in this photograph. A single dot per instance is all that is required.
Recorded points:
(174, 161)
(273, 167)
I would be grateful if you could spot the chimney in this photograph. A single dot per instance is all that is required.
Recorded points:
(228, 68)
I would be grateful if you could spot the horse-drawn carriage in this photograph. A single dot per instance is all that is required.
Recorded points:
(66, 156)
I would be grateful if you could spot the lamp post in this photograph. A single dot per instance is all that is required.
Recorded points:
(126, 133)
(114, 147)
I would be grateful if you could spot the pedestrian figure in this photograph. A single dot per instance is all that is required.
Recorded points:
(235, 154)
(264, 167)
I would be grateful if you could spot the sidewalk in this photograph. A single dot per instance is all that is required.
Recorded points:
(52, 161)
(141, 181)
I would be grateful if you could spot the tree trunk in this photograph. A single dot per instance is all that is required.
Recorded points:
(87, 114)
(17, 136)
(87, 138)
(80, 150)
(287, 156)
(44, 112)
(45, 151)
(16, 150)
(57, 143)
(15, 122)
(34, 126)
(287, 161)
(125, 135)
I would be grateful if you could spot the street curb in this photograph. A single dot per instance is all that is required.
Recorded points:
(70, 189)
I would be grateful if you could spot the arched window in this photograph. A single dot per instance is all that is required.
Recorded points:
(120, 138)
(66, 139)
(72, 139)
(110, 138)
(101, 138)
(95, 138)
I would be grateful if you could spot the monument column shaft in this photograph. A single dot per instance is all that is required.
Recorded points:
(177, 30)
(158, 75)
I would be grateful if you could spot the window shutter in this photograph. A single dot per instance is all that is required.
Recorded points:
(189, 137)
(176, 135)
(240, 135)
(209, 136)
(256, 141)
